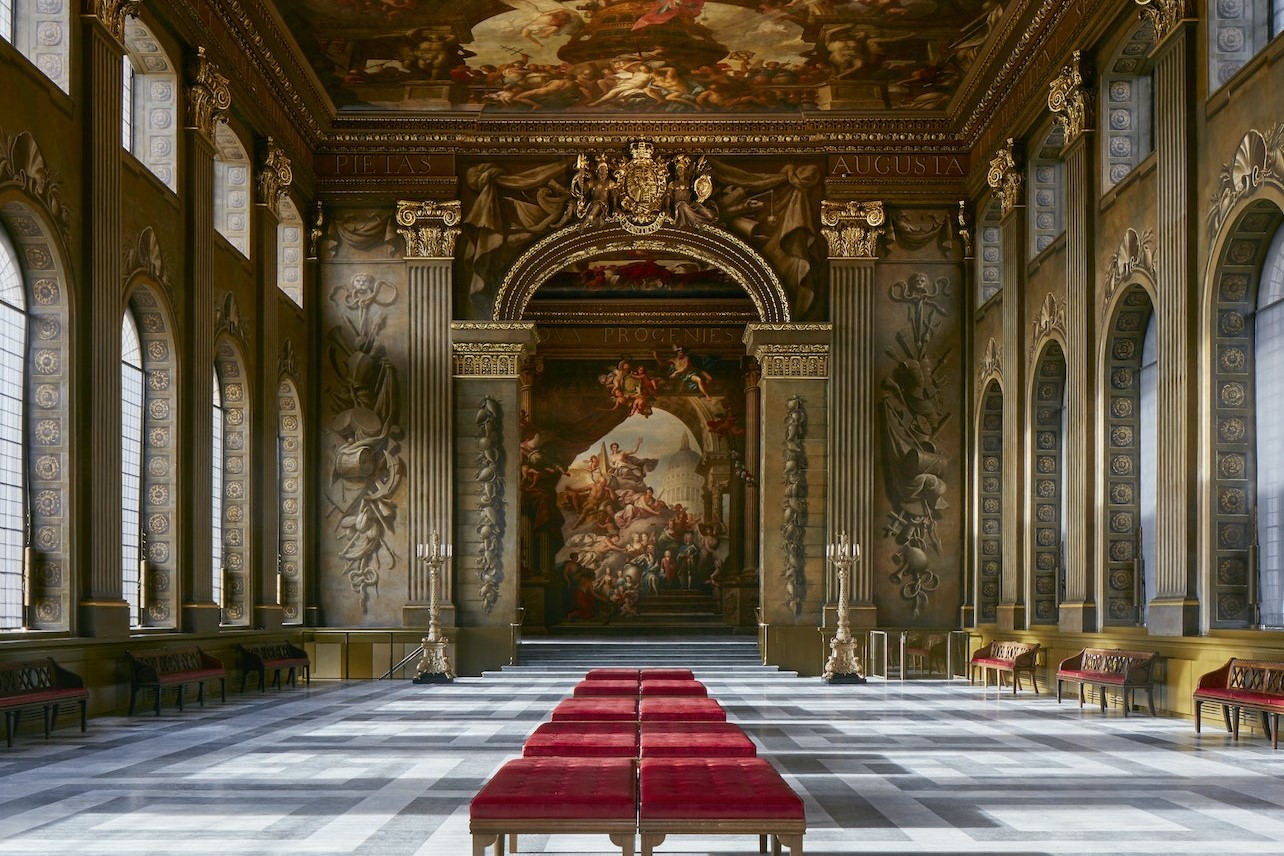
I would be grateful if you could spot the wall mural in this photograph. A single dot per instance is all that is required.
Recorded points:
(915, 457)
(363, 434)
(625, 477)
(641, 56)
(639, 274)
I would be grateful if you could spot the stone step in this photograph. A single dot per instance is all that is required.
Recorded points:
(697, 652)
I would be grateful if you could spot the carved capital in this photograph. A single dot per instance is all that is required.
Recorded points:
(1070, 99)
(1165, 15)
(853, 228)
(488, 359)
(1005, 178)
(793, 361)
(208, 96)
(428, 228)
(112, 14)
(275, 174)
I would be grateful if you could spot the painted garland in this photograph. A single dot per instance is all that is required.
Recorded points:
(490, 508)
(795, 503)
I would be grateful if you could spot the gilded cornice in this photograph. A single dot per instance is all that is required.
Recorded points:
(1005, 178)
(795, 361)
(1165, 15)
(1070, 98)
(112, 14)
(208, 96)
(853, 228)
(275, 174)
(428, 228)
(487, 359)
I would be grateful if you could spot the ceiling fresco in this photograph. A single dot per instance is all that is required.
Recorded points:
(641, 56)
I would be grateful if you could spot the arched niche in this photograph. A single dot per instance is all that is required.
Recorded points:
(1047, 482)
(233, 386)
(989, 542)
(290, 438)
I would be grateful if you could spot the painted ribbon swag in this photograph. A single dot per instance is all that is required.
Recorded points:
(490, 508)
(795, 503)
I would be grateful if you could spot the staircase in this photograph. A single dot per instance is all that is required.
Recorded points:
(698, 652)
(669, 613)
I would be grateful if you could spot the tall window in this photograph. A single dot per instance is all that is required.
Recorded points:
(232, 189)
(40, 30)
(1148, 472)
(149, 113)
(289, 240)
(1269, 380)
(6, 20)
(13, 349)
(131, 466)
(1236, 32)
(216, 498)
(1127, 95)
(990, 258)
(1047, 191)
(127, 103)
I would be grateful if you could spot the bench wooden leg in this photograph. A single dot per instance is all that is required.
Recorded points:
(512, 842)
(9, 726)
(222, 689)
(775, 845)
(1102, 691)
(84, 716)
(793, 842)
(13, 729)
(1275, 731)
(1230, 729)
(481, 843)
(1198, 706)
(133, 694)
(1150, 699)
(199, 693)
(158, 698)
(51, 716)
(762, 843)
(650, 842)
(1235, 723)
(624, 841)
(1081, 696)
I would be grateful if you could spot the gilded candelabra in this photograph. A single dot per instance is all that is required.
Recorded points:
(434, 667)
(843, 666)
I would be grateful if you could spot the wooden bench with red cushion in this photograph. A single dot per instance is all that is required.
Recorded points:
(1110, 667)
(680, 709)
(667, 675)
(693, 689)
(38, 683)
(174, 667)
(1018, 658)
(601, 709)
(274, 656)
(717, 796)
(591, 689)
(549, 796)
(583, 740)
(1248, 685)
(695, 740)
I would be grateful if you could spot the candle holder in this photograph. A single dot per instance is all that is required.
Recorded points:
(843, 666)
(434, 666)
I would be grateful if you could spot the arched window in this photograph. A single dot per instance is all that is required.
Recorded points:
(13, 491)
(149, 111)
(41, 31)
(1047, 403)
(216, 490)
(1047, 192)
(1237, 30)
(290, 489)
(1148, 380)
(989, 260)
(1269, 396)
(232, 189)
(131, 466)
(1127, 98)
(289, 248)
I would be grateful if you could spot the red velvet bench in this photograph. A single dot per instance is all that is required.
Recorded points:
(38, 683)
(679, 709)
(604, 709)
(174, 667)
(717, 796)
(695, 740)
(612, 675)
(1244, 685)
(583, 740)
(590, 689)
(1019, 658)
(568, 796)
(667, 675)
(673, 688)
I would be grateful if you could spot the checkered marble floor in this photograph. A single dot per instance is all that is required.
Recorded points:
(388, 768)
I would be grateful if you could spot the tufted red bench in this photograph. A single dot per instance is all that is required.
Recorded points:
(583, 740)
(679, 709)
(275, 656)
(38, 683)
(556, 795)
(693, 689)
(1015, 657)
(1110, 667)
(612, 675)
(715, 796)
(695, 740)
(603, 709)
(591, 689)
(174, 667)
(1244, 684)
(667, 675)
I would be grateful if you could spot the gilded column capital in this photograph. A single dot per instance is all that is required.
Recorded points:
(853, 228)
(795, 361)
(208, 96)
(488, 359)
(1006, 178)
(428, 228)
(112, 14)
(1070, 99)
(275, 174)
(1165, 15)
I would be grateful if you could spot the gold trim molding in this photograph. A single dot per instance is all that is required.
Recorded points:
(428, 228)
(853, 228)
(1005, 178)
(1165, 15)
(275, 174)
(793, 361)
(208, 95)
(1070, 99)
(487, 359)
(112, 14)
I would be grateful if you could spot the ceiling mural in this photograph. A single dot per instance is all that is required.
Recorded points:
(641, 274)
(641, 56)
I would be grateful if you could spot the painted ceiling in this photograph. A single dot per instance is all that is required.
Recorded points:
(641, 56)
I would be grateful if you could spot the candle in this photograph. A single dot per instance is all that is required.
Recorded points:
(142, 588)
(28, 569)
(280, 588)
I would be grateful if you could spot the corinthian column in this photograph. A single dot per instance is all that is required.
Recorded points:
(103, 611)
(429, 230)
(1174, 609)
(1007, 180)
(208, 97)
(853, 230)
(1071, 100)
